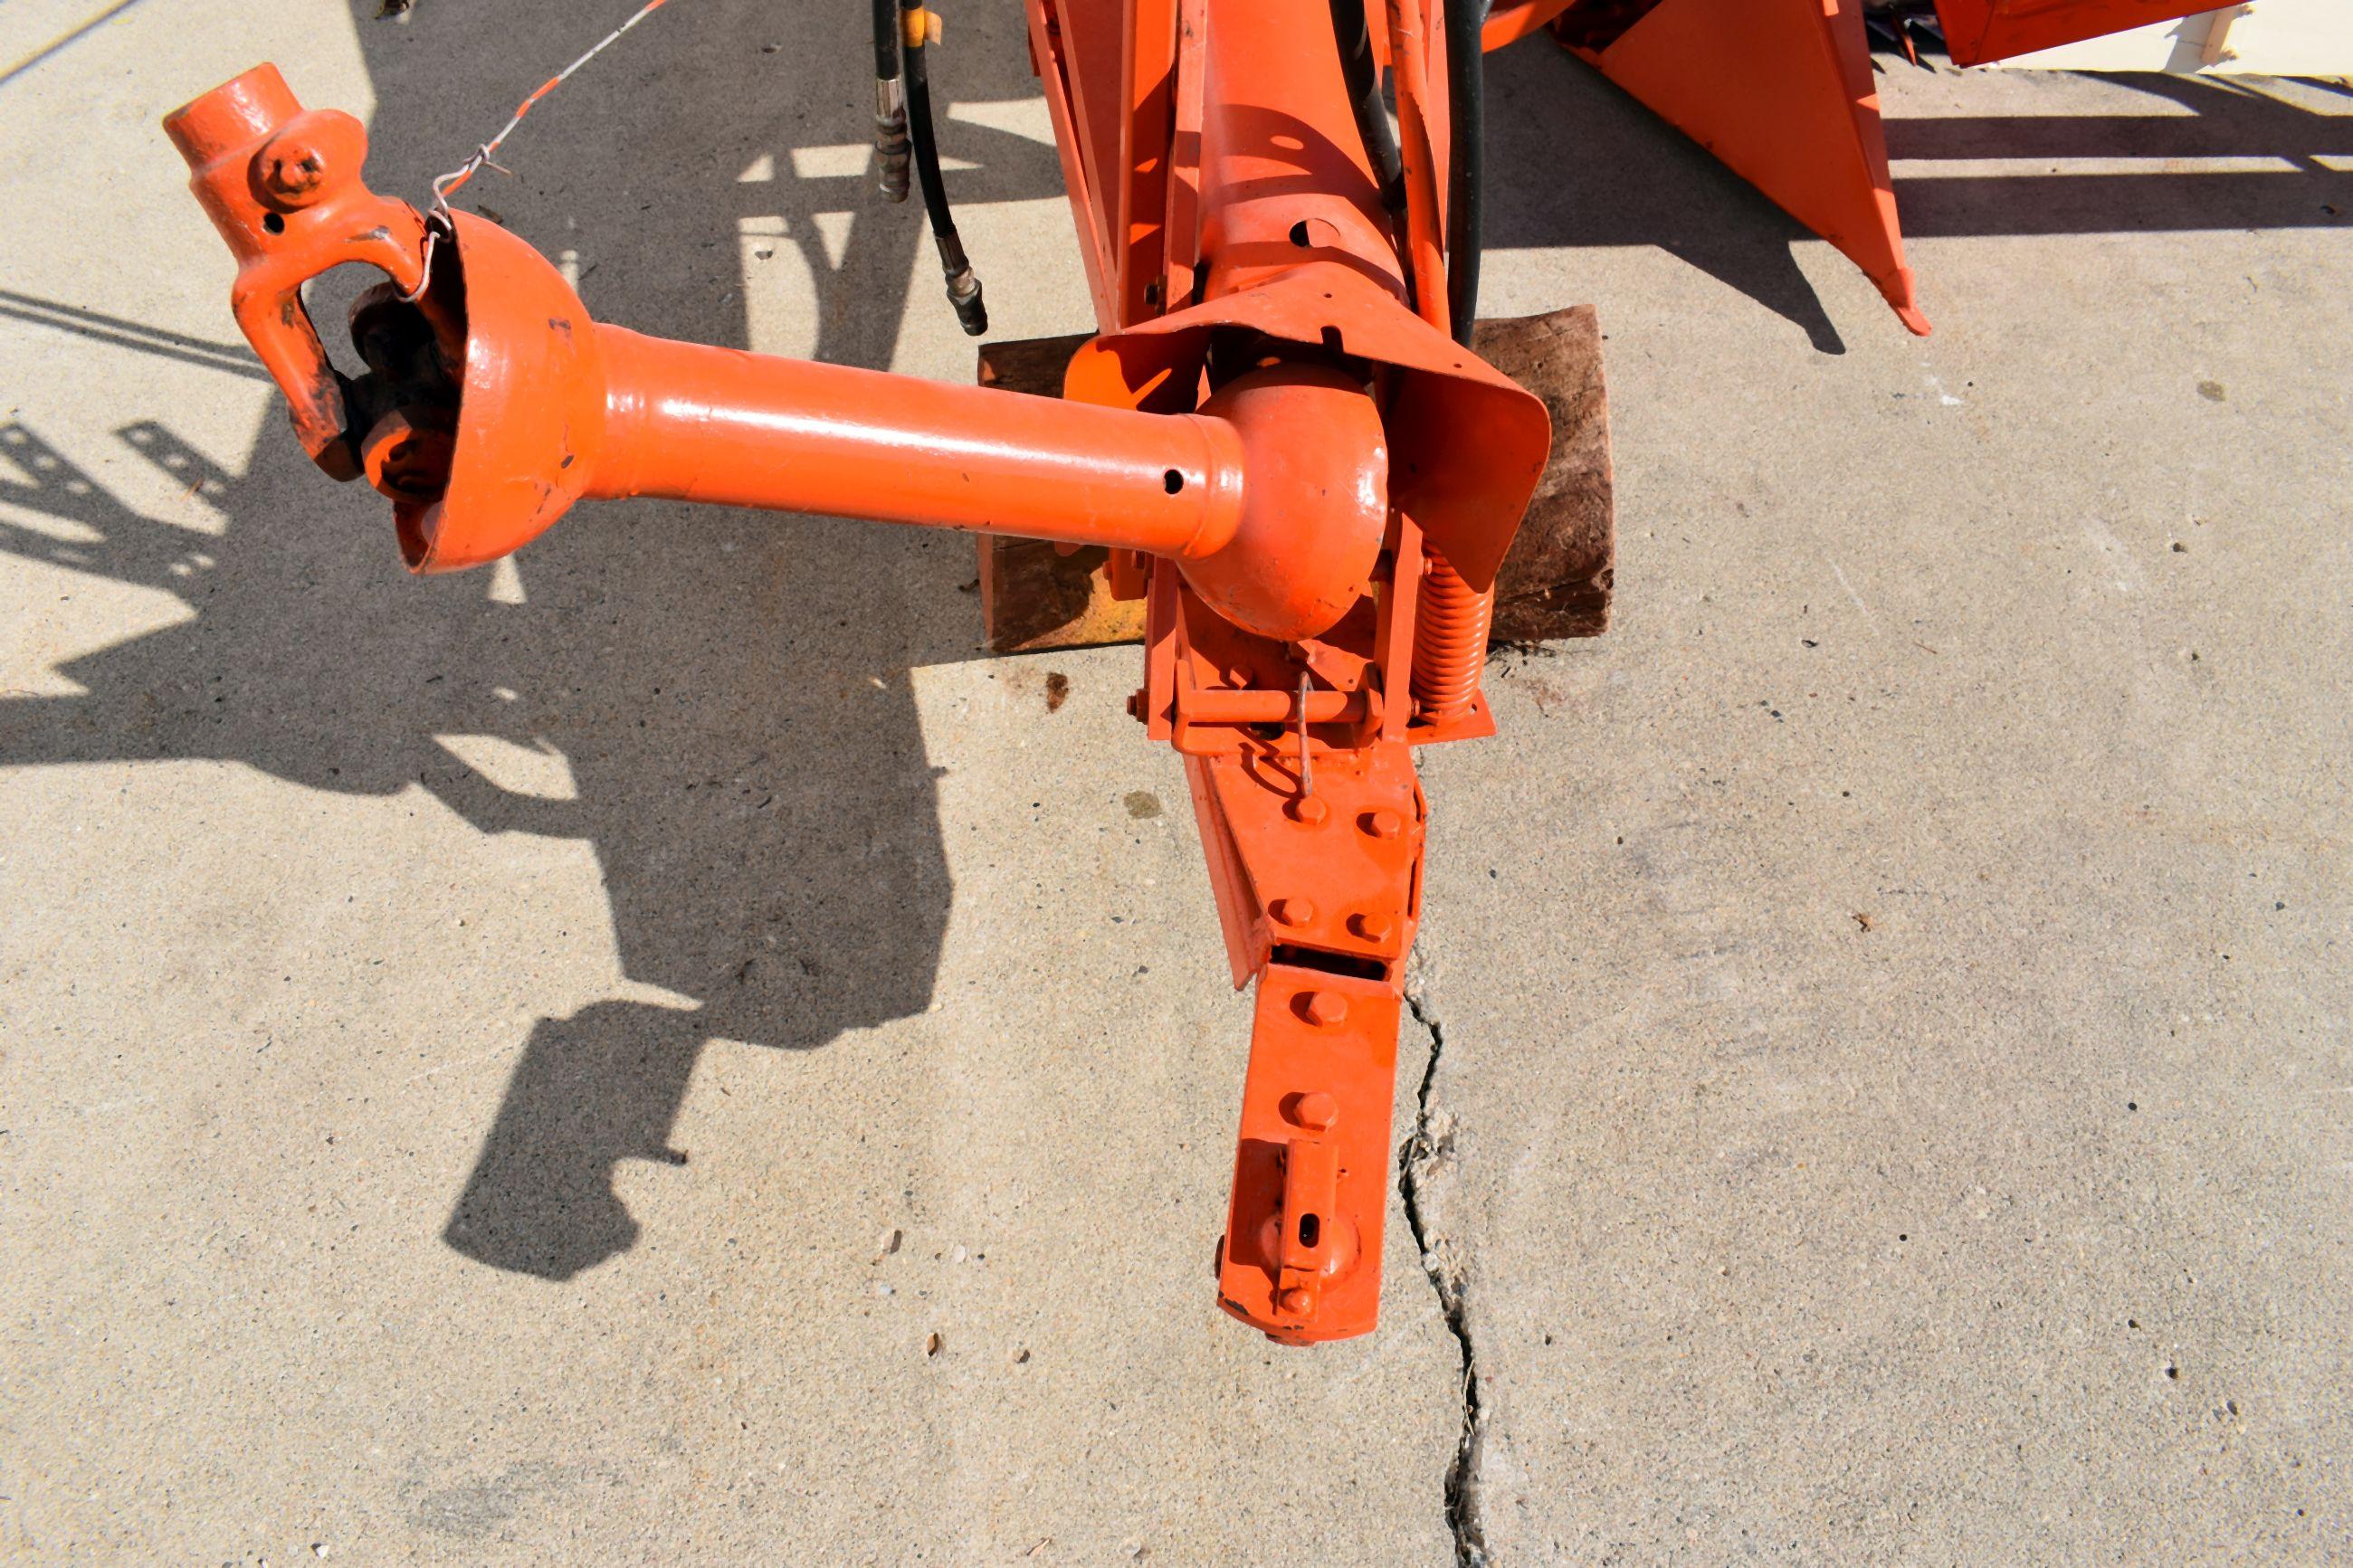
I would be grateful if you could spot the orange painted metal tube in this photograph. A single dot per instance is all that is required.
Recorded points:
(693, 422)
(1284, 174)
(1252, 706)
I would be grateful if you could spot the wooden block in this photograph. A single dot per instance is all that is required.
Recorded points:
(1034, 365)
(1032, 595)
(1554, 582)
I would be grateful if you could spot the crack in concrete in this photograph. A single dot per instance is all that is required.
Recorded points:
(1432, 1142)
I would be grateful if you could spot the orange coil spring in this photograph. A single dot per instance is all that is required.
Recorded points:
(1450, 642)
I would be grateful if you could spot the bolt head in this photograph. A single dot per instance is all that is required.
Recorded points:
(1383, 824)
(1307, 809)
(1297, 1302)
(294, 172)
(1372, 925)
(1326, 1009)
(1293, 911)
(1315, 1111)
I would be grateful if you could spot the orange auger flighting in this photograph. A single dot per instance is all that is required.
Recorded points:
(1290, 453)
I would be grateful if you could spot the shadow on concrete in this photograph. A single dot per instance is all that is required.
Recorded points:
(1618, 175)
(728, 691)
(118, 331)
(2224, 120)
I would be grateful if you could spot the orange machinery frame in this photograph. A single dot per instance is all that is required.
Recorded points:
(1298, 468)
(1308, 480)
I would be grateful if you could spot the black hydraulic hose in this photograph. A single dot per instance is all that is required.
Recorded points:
(1466, 100)
(889, 103)
(963, 288)
(886, 40)
(1364, 83)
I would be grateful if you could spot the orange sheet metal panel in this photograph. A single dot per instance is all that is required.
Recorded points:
(1148, 90)
(1181, 239)
(1780, 90)
(1977, 31)
(1094, 33)
(1046, 51)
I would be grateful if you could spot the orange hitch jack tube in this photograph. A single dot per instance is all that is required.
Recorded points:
(1264, 462)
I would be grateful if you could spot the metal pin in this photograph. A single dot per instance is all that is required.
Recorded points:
(1306, 764)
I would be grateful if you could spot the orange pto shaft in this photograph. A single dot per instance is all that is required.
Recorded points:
(692, 423)
(493, 402)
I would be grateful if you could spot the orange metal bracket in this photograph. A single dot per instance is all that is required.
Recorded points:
(1467, 443)
(1780, 90)
(282, 184)
(1316, 859)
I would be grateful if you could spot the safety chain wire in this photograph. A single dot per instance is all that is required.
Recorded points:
(437, 217)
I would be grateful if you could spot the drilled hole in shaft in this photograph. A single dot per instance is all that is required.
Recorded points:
(1172, 482)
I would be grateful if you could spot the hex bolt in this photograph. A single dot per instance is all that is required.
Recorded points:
(1326, 1009)
(1372, 925)
(1316, 1111)
(1307, 810)
(1383, 824)
(294, 172)
(1293, 911)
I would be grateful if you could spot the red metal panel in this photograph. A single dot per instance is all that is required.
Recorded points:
(1977, 31)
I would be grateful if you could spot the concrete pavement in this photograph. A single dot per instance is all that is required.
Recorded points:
(660, 1052)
